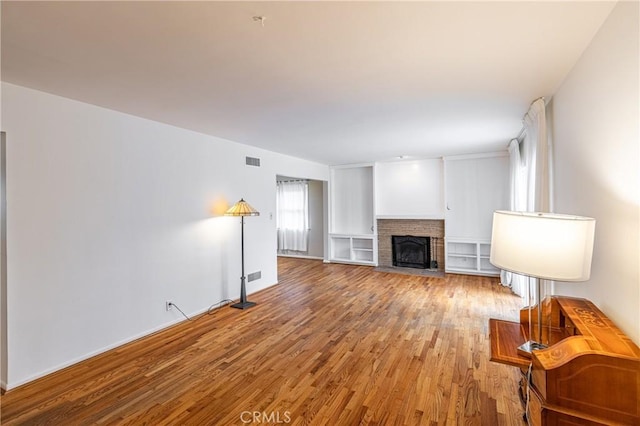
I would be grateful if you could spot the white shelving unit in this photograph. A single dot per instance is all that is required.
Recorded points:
(467, 256)
(475, 186)
(358, 249)
(352, 237)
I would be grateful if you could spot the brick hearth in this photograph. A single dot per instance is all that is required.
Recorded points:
(415, 227)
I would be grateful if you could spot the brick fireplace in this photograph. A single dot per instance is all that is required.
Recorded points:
(414, 227)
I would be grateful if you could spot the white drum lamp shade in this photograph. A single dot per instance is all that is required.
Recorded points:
(543, 245)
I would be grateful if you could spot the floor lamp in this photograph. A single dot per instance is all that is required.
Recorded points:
(242, 209)
(546, 246)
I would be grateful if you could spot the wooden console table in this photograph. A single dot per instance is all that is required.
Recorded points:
(589, 374)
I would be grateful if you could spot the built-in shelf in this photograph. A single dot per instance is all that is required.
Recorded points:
(352, 233)
(475, 186)
(353, 248)
(469, 256)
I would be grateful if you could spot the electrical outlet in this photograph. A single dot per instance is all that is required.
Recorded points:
(168, 305)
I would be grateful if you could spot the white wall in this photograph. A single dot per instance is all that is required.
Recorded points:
(3, 258)
(410, 189)
(316, 219)
(475, 186)
(3, 264)
(352, 200)
(597, 163)
(110, 215)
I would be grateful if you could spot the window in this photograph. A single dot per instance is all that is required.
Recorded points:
(292, 204)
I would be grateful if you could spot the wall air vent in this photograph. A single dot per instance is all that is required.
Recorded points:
(252, 161)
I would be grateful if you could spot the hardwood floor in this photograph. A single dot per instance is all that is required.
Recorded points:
(331, 344)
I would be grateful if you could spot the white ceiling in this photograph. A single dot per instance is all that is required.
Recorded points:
(333, 82)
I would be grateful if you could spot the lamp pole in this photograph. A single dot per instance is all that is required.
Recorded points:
(243, 288)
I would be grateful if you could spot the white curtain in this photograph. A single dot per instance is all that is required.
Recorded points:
(517, 202)
(530, 177)
(293, 215)
(536, 157)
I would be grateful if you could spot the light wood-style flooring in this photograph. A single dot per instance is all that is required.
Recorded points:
(330, 345)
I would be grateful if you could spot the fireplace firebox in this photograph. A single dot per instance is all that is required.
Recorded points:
(411, 252)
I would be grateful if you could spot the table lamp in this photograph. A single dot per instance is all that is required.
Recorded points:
(546, 246)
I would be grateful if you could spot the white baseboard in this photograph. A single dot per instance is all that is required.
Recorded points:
(9, 386)
(301, 256)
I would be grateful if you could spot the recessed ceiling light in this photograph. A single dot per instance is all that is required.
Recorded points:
(259, 19)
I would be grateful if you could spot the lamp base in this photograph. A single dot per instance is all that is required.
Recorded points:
(243, 305)
(526, 348)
